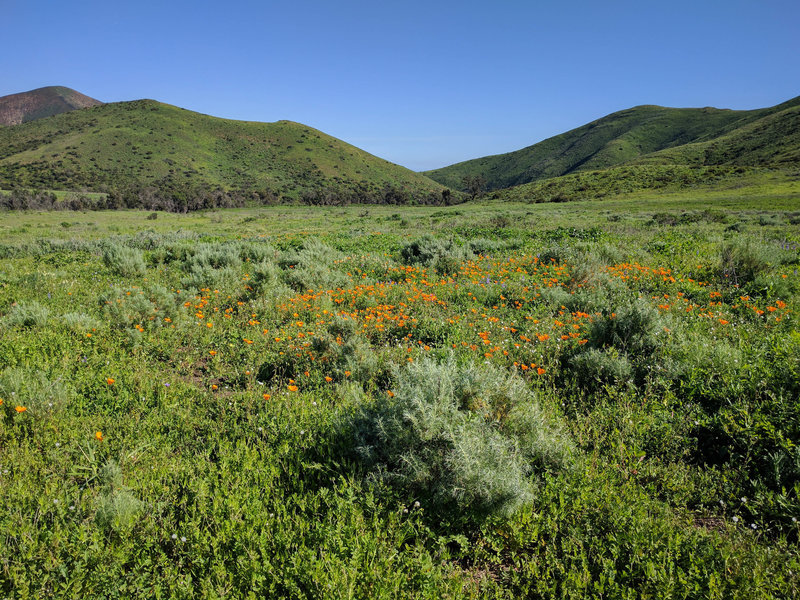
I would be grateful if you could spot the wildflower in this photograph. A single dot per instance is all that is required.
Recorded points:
(542, 337)
(723, 322)
(540, 371)
(292, 388)
(390, 393)
(214, 386)
(110, 381)
(328, 379)
(20, 409)
(347, 373)
(98, 435)
(209, 325)
(212, 352)
(267, 396)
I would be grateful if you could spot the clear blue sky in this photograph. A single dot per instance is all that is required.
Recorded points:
(421, 83)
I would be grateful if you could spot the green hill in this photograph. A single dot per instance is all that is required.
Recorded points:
(146, 147)
(41, 103)
(716, 136)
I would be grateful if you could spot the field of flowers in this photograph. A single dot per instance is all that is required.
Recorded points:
(549, 401)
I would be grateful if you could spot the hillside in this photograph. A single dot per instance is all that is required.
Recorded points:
(154, 148)
(724, 136)
(41, 103)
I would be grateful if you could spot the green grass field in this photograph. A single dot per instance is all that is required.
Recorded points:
(492, 400)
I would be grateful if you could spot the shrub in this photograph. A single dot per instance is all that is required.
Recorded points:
(26, 314)
(145, 309)
(117, 507)
(443, 256)
(33, 389)
(124, 261)
(742, 261)
(467, 437)
(634, 328)
(595, 368)
(310, 268)
(80, 322)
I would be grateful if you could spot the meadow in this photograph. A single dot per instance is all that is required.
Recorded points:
(490, 400)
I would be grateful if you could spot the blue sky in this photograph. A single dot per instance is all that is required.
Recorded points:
(423, 84)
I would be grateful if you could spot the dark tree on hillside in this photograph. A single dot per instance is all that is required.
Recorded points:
(473, 185)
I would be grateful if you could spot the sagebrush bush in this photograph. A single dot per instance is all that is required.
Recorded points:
(149, 308)
(79, 322)
(741, 262)
(33, 389)
(26, 314)
(117, 507)
(313, 267)
(595, 368)
(444, 256)
(123, 260)
(636, 327)
(466, 437)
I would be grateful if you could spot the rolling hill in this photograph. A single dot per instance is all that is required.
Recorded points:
(146, 147)
(41, 103)
(646, 134)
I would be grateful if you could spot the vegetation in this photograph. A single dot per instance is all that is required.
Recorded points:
(41, 103)
(696, 137)
(146, 154)
(593, 399)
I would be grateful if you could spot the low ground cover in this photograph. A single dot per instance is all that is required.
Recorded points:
(489, 400)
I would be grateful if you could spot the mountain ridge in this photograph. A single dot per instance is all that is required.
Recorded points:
(616, 139)
(40, 103)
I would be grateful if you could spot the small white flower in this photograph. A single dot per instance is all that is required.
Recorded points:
(794, 519)
(416, 504)
(735, 519)
(72, 507)
(753, 526)
(58, 444)
(174, 536)
(183, 538)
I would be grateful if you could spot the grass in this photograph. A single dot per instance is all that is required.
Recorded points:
(693, 137)
(298, 402)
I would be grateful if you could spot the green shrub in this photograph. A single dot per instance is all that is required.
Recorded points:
(465, 437)
(595, 367)
(741, 262)
(26, 314)
(146, 308)
(124, 261)
(444, 256)
(33, 389)
(117, 507)
(635, 328)
(78, 322)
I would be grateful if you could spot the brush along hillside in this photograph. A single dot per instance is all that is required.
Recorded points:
(144, 150)
(41, 103)
(653, 134)
(592, 399)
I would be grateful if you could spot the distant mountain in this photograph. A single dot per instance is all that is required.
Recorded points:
(40, 103)
(645, 134)
(146, 147)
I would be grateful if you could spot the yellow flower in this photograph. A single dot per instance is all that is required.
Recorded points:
(21, 409)
(292, 388)
(110, 381)
(98, 435)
